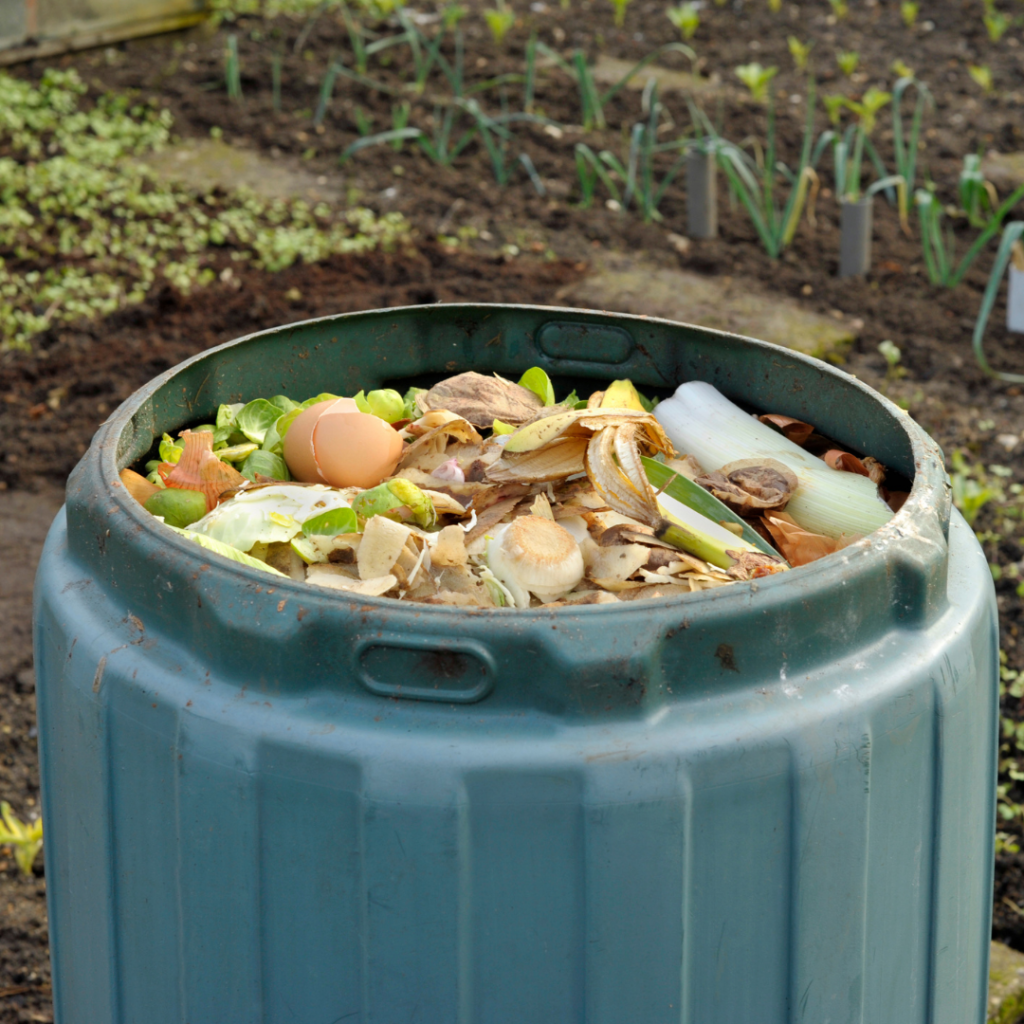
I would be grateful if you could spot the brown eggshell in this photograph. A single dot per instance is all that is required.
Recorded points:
(298, 442)
(355, 449)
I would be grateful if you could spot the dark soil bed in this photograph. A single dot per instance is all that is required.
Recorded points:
(51, 401)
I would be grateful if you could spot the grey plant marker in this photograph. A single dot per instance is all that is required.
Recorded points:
(1015, 301)
(701, 195)
(854, 237)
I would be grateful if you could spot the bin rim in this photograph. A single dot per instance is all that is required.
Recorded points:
(928, 501)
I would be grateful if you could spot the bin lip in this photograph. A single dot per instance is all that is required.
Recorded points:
(929, 488)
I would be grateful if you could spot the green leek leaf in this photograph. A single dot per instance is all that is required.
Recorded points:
(694, 496)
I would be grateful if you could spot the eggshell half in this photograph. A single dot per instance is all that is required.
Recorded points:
(354, 449)
(298, 442)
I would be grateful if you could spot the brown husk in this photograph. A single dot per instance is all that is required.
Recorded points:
(748, 486)
(797, 545)
(482, 400)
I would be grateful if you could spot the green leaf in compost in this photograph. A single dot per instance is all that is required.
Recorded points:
(331, 523)
(412, 410)
(256, 418)
(226, 551)
(283, 402)
(537, 381)
(325, 397)
(170, 450)
(237, 453)
(266, 464)
(226, 414)
(387, 404)
(677, 486)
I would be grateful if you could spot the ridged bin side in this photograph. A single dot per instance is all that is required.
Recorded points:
(809, 849)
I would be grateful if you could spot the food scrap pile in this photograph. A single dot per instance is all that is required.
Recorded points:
(485, 493)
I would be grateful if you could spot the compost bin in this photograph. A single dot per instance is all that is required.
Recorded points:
(770, 802)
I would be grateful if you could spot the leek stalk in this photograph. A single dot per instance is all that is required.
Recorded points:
(702, 422)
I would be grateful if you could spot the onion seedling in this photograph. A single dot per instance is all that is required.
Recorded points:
(591, 168)
(233, 69)
(399, 121)
(392, 136)
(592, 102)
(839, 8)
(757, 79)
(685, 18)
(848, 150)
(976, 193)
(326, 91)
(908, 12)
(905, 145)
(275, 81)
(775, 6)
(800, 52)
(939, 246)
(753, 181)
(439, 147)
(1009, 249)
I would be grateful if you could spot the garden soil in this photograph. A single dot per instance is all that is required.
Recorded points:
(475, 241)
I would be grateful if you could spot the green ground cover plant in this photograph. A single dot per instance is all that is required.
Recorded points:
(73, 186)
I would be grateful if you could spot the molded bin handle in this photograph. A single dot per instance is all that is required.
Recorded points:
(582, 342)
(452, 671)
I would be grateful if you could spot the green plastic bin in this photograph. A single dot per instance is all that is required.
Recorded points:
(265, 802)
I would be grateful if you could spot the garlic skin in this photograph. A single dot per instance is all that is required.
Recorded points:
(534, 555)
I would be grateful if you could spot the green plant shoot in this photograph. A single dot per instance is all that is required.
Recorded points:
(996, 24)
(839, 8)
(499, 21)
(971, 492)
(24, 838)
(848, 62)
(982, 75)
(685, 18)
(908, 12)
(756, 79)
(892, 356)
(620, 11)
(800, 52)
(977, 194)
